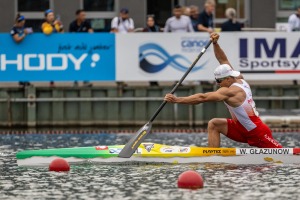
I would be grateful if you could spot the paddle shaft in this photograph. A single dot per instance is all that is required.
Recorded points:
(180, 81)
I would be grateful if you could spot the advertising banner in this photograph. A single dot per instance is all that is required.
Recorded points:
(265, 56)
(58, 57)
(163, 56)
(166, 56)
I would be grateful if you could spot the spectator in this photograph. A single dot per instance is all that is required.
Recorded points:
(80, 24)
(179, 23)
(194, 17)
(52, 25)
(206, 22)
(187, 11)
(294, 21)
(231, 24)
(18, 33)
(123, 23)
(151, 25)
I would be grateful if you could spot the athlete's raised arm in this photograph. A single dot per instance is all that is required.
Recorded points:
(219, 53)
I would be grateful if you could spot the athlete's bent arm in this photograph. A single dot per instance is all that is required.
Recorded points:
(221, 94)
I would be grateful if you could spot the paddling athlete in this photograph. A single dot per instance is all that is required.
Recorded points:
(245, 125)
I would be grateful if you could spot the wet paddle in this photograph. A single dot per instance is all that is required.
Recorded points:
(140, 135)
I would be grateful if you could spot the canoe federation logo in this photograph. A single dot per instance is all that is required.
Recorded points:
(154, 58)
(175, 149)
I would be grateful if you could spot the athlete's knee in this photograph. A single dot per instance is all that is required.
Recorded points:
(212, 124)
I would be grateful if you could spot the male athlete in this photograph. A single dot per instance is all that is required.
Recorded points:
(245, 125)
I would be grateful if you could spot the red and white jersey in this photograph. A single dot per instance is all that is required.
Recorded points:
(246, 113)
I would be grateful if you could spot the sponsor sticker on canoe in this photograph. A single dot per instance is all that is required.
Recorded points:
(149, 146)
(175, 149)
(101, 147)
(118, 150)
(115, 150)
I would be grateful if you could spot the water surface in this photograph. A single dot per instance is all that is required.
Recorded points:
(90, 181)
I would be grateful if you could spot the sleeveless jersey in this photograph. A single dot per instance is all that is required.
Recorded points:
(246, 113)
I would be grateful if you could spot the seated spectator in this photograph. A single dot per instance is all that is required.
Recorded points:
(51, 25)
(151, 26)
(123, 23)
(231, 24)
(206, 22)
(179, 23)
(80, 24)
(194, 11)
(18, 33)
(294, 21)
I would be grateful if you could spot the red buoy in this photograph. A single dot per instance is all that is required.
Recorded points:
(190, 180)
(59, 165)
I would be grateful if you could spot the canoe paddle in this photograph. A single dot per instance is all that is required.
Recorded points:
(138, 138)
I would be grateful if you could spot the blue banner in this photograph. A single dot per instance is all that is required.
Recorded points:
(58, 57)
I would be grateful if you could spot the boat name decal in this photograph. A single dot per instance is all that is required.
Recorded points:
(284, 151)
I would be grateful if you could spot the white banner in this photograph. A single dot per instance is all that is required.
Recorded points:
(166, 56)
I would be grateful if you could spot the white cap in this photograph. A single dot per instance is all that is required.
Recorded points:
(225, 70)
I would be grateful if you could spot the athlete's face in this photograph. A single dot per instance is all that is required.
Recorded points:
(223, 82)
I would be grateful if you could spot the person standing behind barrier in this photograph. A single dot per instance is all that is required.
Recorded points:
(18, 33)
(151, 26)
(231, 24)
(294, 21)
(206, 22)
(194, 11)
(123, 23)
(52, 25)
(179, 23)
(81, 25)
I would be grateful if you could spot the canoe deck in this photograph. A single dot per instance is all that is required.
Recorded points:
(159, 153)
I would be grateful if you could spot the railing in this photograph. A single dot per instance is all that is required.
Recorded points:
(112, 106)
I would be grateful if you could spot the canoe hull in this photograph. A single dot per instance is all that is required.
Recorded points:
(158, 153)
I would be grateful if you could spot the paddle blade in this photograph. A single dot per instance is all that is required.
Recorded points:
(135, 141)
